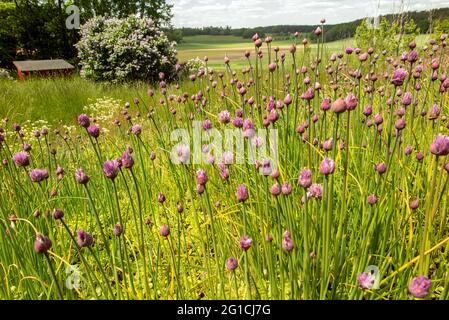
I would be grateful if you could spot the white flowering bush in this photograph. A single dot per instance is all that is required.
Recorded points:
(193, 65)
(126, 49)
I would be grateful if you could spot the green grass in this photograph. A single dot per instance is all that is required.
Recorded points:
(217, 47)
(56, 99)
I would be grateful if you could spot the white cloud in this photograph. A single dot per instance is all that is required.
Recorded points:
(252, 13)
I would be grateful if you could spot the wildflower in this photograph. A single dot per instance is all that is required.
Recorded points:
(419, 286)
(245, 242)
(408, 150)
(366, 280)
(21, 159)
(288, 99)
(183, 153)
(351, 102)
(231, 264)
(275, 189)
(305, 178)
(400, 124)
(127, 160)
(160, 197)
(316, 191)
(57, 214)
(272, 67)
(110, 169)
(434, 112)
(327, 145)
(38, 175)
(164, 231)
(242, 193)
(118, 230)
(94, 131)
(84, 121)
(136, 129)
(440, 146)
(286, 189)
(287, 242)
(339, 106)
(84, 239)
(407, 99)
(42, 244)
(398, 77)
(325, 104)
(419, 156)
(201, 177)
(308, 95)
(81, 177)
(372, 199)
(381, 168)
(224, 117)
(327, 166)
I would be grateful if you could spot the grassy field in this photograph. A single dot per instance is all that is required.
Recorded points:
(217, 47)
(57, 99)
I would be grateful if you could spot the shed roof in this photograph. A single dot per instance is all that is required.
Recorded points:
(42, 65)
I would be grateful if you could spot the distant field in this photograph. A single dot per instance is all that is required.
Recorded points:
(217, 47)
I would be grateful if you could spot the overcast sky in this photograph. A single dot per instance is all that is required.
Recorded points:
(253, 13)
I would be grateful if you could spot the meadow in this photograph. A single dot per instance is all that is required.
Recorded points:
(100, 201)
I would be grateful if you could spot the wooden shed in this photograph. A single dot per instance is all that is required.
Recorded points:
(42, 67)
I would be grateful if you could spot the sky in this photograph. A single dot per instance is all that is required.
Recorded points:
(254, 13)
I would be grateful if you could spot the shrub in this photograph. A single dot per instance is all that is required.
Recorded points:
(126, 49)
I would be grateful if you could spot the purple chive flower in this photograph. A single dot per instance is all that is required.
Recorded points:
(201, 177)
(84, 239)
(440, 146)
(339, 106)
(308, 95)
(206, 125)
(84, 120)
(349, 50)
(21, 159)
(42, 244)
(242, 193)
(26, 146)
(381, 168)
(419, 156)
(286, 189)
(414, 204)
(400, 124)
(245, 242)
(305, 178)
(316, 191)
(327, 166)
(118, 230)
(161, 197)
(351, 102)
(16, 127)
(127, 160)
(110, 169)
(434, 112)
(164, 231)
(38, 175)
(136, 129)
(288, 99)
(183, 153)
(200, 189)
(378, 120)
(325, 104)
(275, 189)
(57, 214)
(419, 286)
(224, 117)
(372, 199)
(408, 150)
(287, 242)
(327, 145)
(81, 177)
(272, 67)
(407, 99)
(231, 264)
(94, 131)
(366, 280)
(398, 77)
